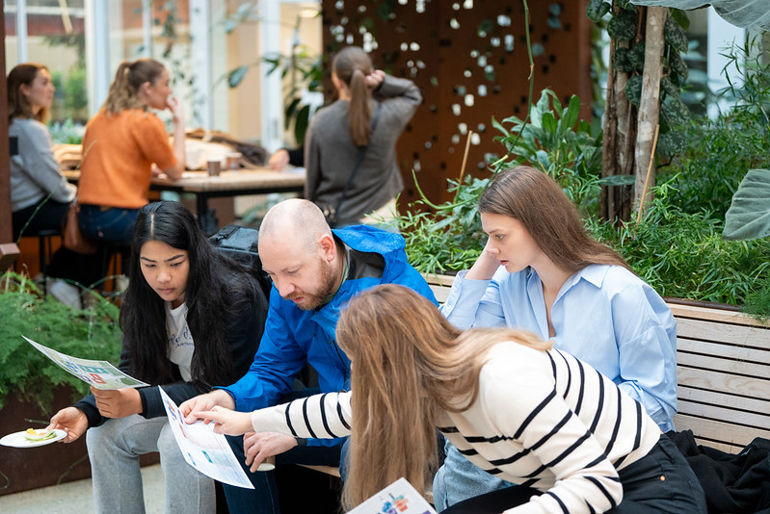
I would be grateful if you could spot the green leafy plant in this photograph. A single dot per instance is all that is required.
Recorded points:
(558, 144)
(683, 255)
(91, 333)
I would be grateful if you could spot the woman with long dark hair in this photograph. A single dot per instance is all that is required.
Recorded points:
(191, 319)
(356, 135)
(540, 271)
(124, 142)
(515, 406)
(40, 195)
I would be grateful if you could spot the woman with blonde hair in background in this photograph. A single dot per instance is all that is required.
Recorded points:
(40, 195)
(122, 146)
(515, 406)
(350, 147)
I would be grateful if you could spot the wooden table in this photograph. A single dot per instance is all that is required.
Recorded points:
(250, 181)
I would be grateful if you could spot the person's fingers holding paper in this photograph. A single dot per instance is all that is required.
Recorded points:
(226, 421)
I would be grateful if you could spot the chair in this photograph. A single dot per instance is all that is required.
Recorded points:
(45, 250)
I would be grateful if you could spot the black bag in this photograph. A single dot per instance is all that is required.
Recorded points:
(240, 244)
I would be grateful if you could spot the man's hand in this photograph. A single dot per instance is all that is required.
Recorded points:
(206, 402)
(72, 420)
(117, 403)
(258, 447)
(226, 421)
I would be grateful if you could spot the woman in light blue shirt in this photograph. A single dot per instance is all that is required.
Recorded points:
(541, 272)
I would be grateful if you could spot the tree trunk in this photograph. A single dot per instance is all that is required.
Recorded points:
(649, 106)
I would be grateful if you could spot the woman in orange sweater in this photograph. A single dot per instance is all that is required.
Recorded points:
(122, 146)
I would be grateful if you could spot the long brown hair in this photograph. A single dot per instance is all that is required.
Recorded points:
(124, 90)
(537, 201)
(18, 105)
(409, 364)
(352, 65)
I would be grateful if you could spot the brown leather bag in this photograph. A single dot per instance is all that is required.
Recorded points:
(73, 238)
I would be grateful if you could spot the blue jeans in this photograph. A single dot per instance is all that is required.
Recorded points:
(112, 225)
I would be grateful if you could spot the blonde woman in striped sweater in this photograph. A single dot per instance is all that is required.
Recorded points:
(513, 405)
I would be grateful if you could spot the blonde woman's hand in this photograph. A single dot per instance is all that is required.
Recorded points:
(374, 79)
(175, 106)
(226, 421)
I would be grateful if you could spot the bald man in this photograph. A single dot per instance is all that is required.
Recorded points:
(315, 271)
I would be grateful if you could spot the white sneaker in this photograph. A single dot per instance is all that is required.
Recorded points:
(65, 293)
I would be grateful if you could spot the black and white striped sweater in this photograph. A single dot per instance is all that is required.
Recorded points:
(543, 419)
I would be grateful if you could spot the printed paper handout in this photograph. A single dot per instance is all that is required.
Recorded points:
(398, 498)
(99, 374)
(203, 449)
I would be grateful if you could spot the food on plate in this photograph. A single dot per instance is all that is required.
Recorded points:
(38, 435)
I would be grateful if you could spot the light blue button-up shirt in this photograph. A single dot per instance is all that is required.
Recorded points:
(604, 315)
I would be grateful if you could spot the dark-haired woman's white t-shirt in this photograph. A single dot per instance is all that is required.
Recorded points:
(180, 341)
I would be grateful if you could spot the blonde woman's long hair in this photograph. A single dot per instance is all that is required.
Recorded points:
(408, 365)
(352, 65)
(18, 105)
(124, 90)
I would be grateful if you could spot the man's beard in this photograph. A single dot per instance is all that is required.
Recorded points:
(325, 292)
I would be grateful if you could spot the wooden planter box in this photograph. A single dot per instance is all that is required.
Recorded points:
(30, 468)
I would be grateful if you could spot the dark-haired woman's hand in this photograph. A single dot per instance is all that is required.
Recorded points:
(72, 420)
(374, 79)
(485, 266)
(117, 403)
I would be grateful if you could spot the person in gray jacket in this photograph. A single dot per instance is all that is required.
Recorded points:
(362, 125)
(40, 195)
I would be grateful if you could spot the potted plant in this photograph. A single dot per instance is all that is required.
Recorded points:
(32, 387)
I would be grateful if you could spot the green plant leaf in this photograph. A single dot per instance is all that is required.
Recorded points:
(236, 76)
(301, 123)
(570, 116)
(749, 214)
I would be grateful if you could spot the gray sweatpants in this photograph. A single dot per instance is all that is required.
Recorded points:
(114, 450)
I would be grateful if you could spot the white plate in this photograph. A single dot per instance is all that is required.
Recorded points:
(17, 439)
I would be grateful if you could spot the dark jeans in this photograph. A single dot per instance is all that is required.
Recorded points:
(112, 225)
(661, 481)
(263, 499)
(66, 264)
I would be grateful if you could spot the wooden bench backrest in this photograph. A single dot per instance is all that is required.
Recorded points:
(723, 371)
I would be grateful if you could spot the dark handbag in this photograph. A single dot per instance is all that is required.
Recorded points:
(240, 244)
(330, 211)
(73, 238)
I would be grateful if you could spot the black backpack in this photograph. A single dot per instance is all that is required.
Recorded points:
(240, 244)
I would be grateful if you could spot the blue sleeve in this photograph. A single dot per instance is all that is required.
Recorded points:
(646, 334)
(278, 359)
(474, 303)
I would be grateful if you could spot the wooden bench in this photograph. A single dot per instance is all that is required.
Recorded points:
(723, 372)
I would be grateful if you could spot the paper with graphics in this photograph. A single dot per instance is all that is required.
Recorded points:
(203, 449)
(398, 498)
(99, 374)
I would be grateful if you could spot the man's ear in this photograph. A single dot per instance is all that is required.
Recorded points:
(328, 247)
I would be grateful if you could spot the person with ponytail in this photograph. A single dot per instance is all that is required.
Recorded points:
(515, 405)
(191, 318)
(124, 142)
(40, 195)
(540, 271)
(356, 135)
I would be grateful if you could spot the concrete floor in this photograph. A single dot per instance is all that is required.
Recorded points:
(76, 496)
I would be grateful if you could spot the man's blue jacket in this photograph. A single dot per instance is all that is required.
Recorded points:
(293, 337)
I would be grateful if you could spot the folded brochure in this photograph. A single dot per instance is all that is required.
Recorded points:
(203, 449)
(99, 374)
(398, 498)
